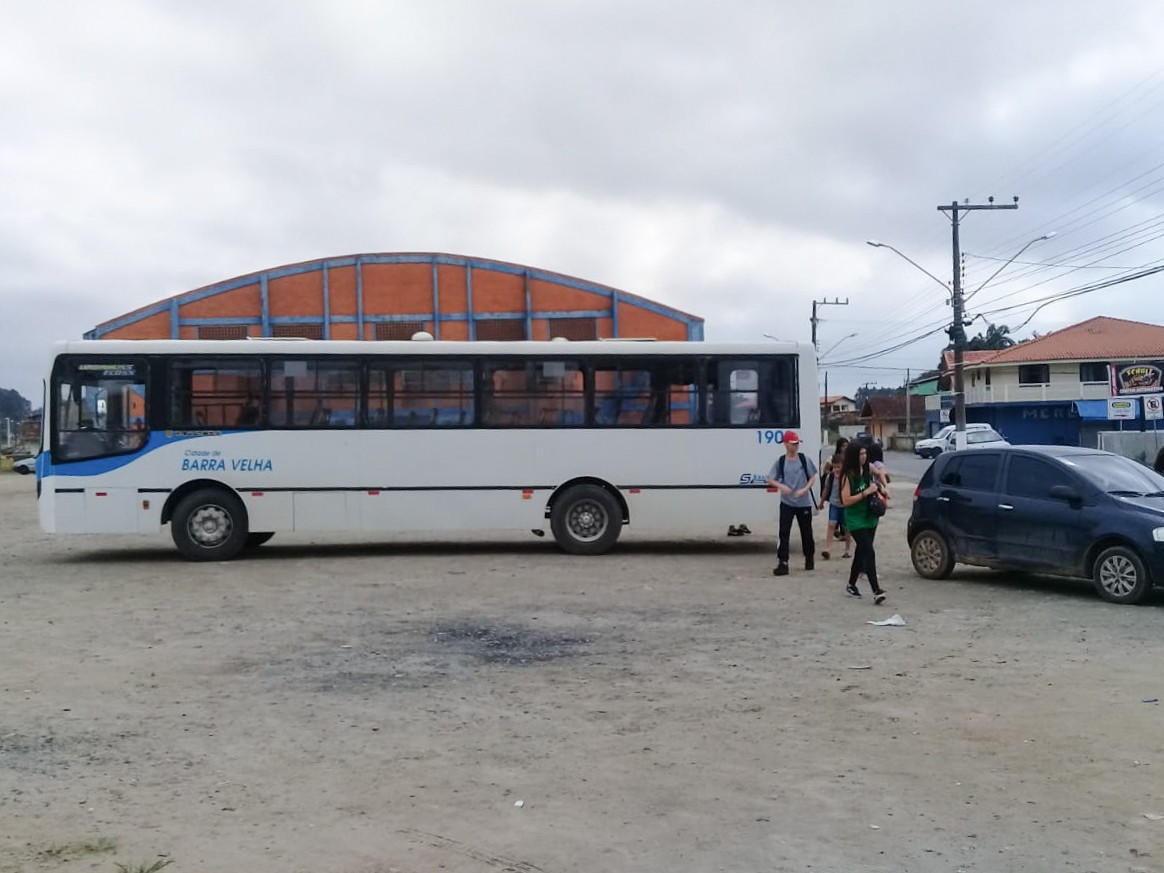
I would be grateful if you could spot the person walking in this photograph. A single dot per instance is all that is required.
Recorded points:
(830, 496)
(858, 485)
(792, 475)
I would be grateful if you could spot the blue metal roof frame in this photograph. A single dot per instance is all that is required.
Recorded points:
(264, 277)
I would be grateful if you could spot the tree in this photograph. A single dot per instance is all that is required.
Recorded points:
(12, 405)
(997, 336)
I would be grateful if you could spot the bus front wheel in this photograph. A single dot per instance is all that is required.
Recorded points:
(586, 520)
(209, 525)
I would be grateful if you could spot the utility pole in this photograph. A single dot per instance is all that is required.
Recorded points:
(958, 326)
(815, 320)
(908, 430)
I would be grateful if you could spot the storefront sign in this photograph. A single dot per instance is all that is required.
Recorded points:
(1118, 408)
(1143, 378)
(1154, 406)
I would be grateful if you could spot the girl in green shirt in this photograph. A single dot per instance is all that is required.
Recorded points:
(858, 484)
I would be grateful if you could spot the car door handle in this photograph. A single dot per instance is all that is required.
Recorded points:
(943, 500)
(1005, 506)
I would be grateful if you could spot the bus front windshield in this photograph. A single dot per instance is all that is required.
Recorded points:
(99, 409)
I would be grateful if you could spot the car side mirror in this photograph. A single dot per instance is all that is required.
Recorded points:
(1067, 493)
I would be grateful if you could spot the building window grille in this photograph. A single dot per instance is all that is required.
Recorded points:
(304, 331)
(222, 331)
(577, 329)
(500, 329)
(398, 330)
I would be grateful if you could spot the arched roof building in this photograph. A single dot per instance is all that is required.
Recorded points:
(392, 296)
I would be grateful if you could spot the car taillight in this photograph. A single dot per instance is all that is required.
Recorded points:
(917, 492)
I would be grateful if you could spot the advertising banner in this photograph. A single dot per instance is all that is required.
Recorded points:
(1146, 377)
(1118, 408)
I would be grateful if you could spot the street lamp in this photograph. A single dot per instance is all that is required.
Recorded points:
(1010, 261)
(826, 372)
(834, 346)
(957, 333)
(881, 245)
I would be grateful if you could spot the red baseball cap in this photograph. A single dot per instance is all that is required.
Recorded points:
(791, 436)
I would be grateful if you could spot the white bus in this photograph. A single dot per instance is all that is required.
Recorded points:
(230, 442)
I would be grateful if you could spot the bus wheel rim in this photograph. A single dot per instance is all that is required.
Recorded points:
(209, 526)
(587, 520)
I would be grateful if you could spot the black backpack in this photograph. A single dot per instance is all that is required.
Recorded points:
(804, 464)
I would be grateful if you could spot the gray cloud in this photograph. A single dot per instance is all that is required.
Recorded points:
(726, 159)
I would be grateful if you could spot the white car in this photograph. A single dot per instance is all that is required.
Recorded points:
(936, 444)
(26, 466)
(979, 438)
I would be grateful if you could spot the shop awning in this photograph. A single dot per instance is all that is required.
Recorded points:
(1096, 410)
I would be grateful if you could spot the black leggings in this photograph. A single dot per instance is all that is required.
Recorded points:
(864, 558)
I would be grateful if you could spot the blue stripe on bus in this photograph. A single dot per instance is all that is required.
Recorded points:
(96, 466)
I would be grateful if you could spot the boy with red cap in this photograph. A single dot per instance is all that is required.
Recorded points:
(792, 475)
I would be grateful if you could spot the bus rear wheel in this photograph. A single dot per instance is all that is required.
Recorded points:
(209, 525)
(586, 520)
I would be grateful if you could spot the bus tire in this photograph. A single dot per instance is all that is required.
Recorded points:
(586, 520)
(254, 540)
(209, 524)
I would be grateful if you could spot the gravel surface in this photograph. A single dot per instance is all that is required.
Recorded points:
(489, 704)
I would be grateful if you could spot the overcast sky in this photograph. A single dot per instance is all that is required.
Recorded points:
(729, 158)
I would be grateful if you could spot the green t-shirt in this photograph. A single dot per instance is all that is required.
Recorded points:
(857, 516)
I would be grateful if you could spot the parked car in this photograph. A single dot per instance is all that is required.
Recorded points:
(935, 445)
(1045, 509)
(982, 438)
(25, 465)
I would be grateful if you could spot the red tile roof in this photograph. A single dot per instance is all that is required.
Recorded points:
(968, 358)
(892, 408)
(1097, 339)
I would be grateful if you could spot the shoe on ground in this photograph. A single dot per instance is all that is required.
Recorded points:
(851, 591)
(780, 570)
(809, 564)
(734, 531)
(824, 554)
(880, 597)
(744, 530)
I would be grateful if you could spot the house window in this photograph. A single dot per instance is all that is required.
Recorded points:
(398, 330)
(499, 329)
(1093, 371)
(1034, 374)
(222, 331)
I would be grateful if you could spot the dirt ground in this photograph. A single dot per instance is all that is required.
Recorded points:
(489, 704)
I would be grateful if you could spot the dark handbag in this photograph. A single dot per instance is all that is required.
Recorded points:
(876, 505)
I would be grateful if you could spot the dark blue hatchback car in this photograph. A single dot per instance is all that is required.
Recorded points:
(1045, 509)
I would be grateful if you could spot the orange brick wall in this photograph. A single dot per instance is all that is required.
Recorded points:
(498, 292)
(245, 302)
(153, 327)
(395, 289)
(452, 288)
(547, 297)
(296, 295)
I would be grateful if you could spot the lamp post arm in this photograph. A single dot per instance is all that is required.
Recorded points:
(1008, 262)
(881, 245)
